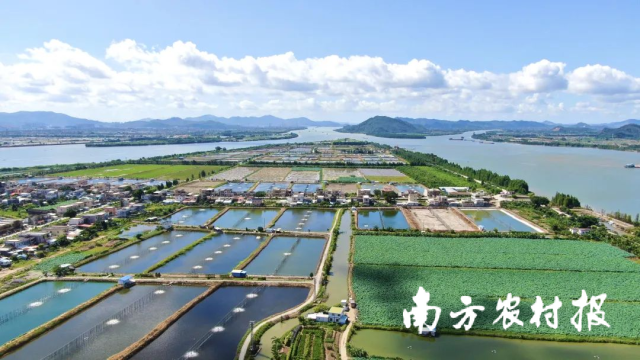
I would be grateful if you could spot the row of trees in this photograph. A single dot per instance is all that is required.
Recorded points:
(565, 201)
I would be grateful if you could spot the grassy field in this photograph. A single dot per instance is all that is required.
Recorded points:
(389, 270)
(139, 171)
(432, 177)
(397, 179)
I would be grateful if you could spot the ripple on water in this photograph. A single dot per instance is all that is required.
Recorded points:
(236, 238)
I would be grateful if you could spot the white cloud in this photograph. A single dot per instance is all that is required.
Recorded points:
(132, 80)
(543, 76)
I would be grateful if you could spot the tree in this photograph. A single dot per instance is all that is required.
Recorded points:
(137, 194)
(70, 213)
(261, 194)
(175, 182)
(538, 201)
(390, 197)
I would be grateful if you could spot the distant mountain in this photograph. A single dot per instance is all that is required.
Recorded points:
(616, 124)
(395, 127)
(384, 126)
(43, 120)
(265, 121)
(629, 131)
(49, 120)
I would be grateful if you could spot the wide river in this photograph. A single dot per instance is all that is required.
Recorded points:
(597, 177)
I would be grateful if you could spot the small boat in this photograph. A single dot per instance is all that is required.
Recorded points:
(630, 166)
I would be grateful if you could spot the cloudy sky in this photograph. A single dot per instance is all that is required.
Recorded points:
(125, 60)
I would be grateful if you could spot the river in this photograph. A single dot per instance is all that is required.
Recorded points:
(595, 176)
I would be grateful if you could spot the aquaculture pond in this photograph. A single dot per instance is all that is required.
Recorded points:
(305, 188)
(40, 303)
(409, 346)
(218, 255)
(497, 219)
(306, 220)
(338, 288)
(268, 186)
(141, 256)
(202, 333)
(288, 256)
(193, 216)
(406, 187)
(370, 219)
(237, 187)
(135, 230)
(246, 218)
(111, 325)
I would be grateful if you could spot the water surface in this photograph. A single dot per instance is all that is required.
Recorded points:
(306, 220)
(207, 315)
(193, 216)
(496, 219)
(369, 219)
(288, 256)
(40, 303)
(246, 218)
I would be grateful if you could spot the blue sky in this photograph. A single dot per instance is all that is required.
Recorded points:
(342, 60)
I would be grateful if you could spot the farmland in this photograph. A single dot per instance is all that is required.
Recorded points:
(270, 174)
(432, 177)
(234, 174)
(384, 291)
(501, 253)
(306, 176)
(309, 345)
(389, 270)
(139, 171)
(385, 175)
(334, 174)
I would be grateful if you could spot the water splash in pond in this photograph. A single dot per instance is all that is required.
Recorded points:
(247, 218)
(166, 242)
(114, 266)
(252, 295)
(227, 245)
(36, 304)
(287, 254)
(236, 238)
(238, 310)
(258, 237)
(159, 292)
(134, 257)
(208, 259)
(113, 322)
(217, 329)
(65, 290)
(153, 248)
(191, 354)
(218, 252)
(179, 235)
(197, 267)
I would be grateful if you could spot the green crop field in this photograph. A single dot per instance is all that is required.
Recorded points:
(389, 270)
(144, 171)
(309, 345)
(432, 177)
(69, 258)
(499, 253)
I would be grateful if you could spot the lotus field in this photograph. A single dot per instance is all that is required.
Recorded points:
(498, 253)
(389, 270)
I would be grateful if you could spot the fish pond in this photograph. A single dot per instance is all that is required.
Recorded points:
(390, 218)
(237, 187)
(390, 344)
(305, 188)
(403, 188)
(217, 255)
(131, 232)
(497, 219)
(214, 327)
(193, 216)
(111, 325)
(40, 303)
(306, 220)
(246, 218)
(142, 255)
(288, 256)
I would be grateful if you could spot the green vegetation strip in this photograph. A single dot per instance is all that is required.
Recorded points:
(432, 177)
(493, 253)
(145, 171)
(68, 258)
(242, 264)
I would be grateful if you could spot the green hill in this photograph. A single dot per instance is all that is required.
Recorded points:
(385, 126)
(630, 131)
